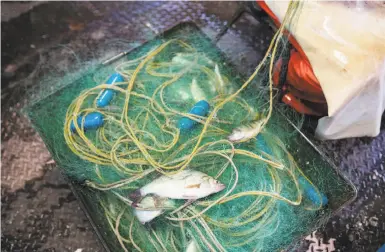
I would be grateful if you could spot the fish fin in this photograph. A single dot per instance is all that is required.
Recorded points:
(193, 186)
(187, 170)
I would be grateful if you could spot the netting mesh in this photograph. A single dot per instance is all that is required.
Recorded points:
(277, 187)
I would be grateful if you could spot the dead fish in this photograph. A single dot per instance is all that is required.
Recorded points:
(246, 132)
(220, 82)
(187, 184)
(151, 207)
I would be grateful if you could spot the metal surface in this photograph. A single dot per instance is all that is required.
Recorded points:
(39, 212)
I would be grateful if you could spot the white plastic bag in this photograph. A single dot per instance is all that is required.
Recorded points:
(345, 44)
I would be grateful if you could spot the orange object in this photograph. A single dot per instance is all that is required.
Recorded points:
(296, 104)
(301, 80)
(305, 96)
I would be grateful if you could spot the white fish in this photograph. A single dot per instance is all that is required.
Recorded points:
(155, 206)
(246, 132)
(196, 91)
(221, 83)
(192, 247)
(187, 184)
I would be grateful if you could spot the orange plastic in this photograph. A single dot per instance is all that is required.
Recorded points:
(300, 80)
(296, 104)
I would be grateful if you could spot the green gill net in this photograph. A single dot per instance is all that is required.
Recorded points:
(276, 182)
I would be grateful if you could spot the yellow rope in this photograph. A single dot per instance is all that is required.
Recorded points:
(126, 144)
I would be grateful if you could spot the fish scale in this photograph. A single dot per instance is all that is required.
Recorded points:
(181, 186)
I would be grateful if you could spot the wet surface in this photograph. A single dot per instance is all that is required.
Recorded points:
(39, 212)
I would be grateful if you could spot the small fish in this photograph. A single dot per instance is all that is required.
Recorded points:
(187, 184)
(246, 132)
(155, 206)
(220, 82)
(197, 91)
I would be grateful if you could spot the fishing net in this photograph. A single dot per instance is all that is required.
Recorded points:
(277, 186)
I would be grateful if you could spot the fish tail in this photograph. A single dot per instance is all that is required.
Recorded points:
(135, 195)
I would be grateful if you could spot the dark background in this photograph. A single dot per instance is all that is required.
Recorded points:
(39, 212)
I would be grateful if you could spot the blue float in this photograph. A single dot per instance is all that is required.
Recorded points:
(201, 108)
(106, 96)
(311, 193)
(382, 249)
(92, 121)
(309, 190)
